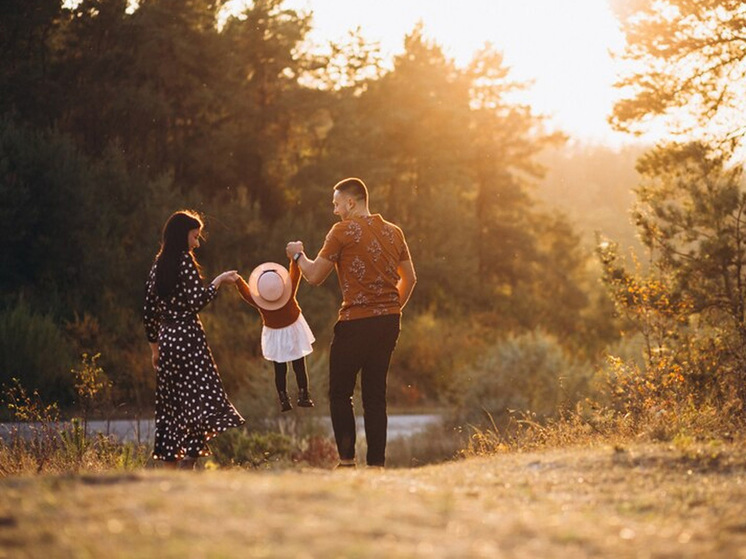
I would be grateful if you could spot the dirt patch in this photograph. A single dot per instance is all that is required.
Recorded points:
(651, 501)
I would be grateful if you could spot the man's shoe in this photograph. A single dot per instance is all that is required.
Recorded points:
(304, 399)
(345, 465)
(285, 404)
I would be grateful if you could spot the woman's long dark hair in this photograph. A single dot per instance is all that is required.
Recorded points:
(174, 243)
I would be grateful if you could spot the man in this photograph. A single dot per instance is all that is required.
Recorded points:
(377, 277)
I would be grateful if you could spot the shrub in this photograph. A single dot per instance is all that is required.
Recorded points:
(527, 373)
(241, 447)
(34, 348)
(435, 444)
(430, 347)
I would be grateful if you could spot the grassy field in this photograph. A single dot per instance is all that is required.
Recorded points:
(639, 501)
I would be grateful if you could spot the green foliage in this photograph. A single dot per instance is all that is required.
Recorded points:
(35, 349)
(250, 127)
(689, 211)
(683, 58)
(529, 373)
(40, 187)
(689, 307)
(253, 449)
(431, 346)
(92, 387)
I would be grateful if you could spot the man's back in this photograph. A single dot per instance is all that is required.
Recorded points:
(366, 251)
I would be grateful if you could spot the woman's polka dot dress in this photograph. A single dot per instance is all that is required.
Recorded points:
(191, 405)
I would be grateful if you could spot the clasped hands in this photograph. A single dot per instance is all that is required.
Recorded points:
(293, 248)
(231, 276)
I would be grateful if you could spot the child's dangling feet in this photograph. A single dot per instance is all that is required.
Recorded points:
(285, 404)
(304, 399)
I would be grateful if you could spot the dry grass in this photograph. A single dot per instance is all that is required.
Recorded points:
(643, 501)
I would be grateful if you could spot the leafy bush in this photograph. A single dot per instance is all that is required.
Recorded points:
(430, 347)
(253, 449)
(435, 444)
(528, 373)
(33, 348)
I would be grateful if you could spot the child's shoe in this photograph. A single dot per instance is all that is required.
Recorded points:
(285, 404)
(304, 399)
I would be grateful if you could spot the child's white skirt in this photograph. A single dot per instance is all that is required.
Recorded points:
(287, 344)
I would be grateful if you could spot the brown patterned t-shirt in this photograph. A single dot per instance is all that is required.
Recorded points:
(366, 252)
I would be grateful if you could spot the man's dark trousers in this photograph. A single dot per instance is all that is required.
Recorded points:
(364, 345)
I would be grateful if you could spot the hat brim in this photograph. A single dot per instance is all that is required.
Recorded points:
(287, 287)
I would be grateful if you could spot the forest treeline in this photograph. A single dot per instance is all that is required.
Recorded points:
(111, 118)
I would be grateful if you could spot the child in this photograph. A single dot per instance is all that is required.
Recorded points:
(286, 335)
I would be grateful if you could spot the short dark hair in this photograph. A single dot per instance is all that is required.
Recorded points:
(353, 187)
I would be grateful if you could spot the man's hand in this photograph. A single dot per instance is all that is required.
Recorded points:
(407, 280)
(293, 247)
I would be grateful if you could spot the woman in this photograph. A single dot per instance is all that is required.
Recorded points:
(191, 405)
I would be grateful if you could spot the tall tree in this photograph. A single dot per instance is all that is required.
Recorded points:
(27, 51)
(507, 138)
(691, 214)
(687, 61)
(266, 62)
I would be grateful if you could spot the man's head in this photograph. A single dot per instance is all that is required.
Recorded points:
(350, 198)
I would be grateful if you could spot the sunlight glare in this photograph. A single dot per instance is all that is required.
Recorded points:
(132, 5)
(563, 47)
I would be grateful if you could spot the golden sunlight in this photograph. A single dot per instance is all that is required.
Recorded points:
(562, 47)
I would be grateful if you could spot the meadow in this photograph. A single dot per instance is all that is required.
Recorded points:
(637, 500)
(593, 366)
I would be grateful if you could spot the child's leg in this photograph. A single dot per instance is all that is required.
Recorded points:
(301, 376)
(281, 370)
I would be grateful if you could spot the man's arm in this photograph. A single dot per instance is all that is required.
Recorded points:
(407, 279)
(315, 271)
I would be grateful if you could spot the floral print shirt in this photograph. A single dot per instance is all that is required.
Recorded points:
(366, 252)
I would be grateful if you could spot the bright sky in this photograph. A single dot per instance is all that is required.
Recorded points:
(563, 46)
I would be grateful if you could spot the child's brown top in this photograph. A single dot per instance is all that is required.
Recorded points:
(285, 315)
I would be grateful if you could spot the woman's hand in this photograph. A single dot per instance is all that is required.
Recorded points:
(230, 276)
(155, 354)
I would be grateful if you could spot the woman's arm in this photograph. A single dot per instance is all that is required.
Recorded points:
(150, 310)
(155, 354)
(231, 276)
(196, 295)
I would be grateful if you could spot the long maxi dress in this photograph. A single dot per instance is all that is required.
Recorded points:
(191, 405)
